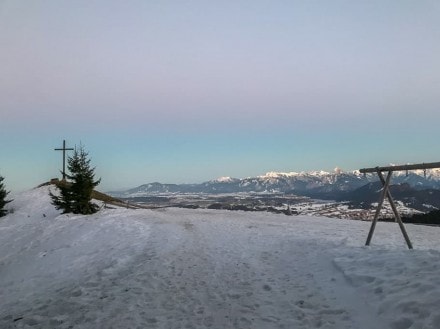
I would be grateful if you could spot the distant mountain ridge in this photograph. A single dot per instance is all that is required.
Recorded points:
(314, 183)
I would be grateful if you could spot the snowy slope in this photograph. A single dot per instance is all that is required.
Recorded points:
(180, 268)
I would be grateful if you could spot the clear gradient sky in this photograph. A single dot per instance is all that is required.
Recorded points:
(187, 91)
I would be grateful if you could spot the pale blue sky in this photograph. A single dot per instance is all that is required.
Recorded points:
(186, 91)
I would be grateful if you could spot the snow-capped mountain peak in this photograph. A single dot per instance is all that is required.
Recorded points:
(274, 174)
(224, 179)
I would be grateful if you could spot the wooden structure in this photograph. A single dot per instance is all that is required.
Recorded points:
(386, 193)
(64, 149)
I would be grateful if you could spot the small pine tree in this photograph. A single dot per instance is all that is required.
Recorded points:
(3, 201)
(64, 200)
(76, 194)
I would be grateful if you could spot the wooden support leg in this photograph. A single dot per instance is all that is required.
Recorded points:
(396, 213)
(379, 206)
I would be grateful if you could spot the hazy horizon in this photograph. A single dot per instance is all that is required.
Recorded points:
(185, 92)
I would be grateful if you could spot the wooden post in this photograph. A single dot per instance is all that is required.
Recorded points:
(396, 213)
(379, 206)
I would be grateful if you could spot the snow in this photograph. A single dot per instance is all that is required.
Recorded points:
(433, 174)
(182, 268)
(273, 174)
(225, 179)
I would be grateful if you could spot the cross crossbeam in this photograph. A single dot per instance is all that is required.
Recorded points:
(64, 149)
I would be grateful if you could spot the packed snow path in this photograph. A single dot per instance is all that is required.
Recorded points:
(180, 268)
(225, 274)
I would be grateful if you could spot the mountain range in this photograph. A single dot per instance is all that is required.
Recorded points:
(317, 184)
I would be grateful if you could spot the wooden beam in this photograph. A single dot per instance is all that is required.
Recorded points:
(401, 167)
(385, 191)
(396, 213)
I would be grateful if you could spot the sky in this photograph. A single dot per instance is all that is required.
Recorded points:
(188, 91)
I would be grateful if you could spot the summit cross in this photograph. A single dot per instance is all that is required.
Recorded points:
(64, 149)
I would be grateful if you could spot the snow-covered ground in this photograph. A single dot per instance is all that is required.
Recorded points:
(180, 268)
(342, 210)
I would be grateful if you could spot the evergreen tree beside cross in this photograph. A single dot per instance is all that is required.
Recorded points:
(76, 192)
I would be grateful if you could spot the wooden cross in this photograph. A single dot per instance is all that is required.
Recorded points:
(64, 149)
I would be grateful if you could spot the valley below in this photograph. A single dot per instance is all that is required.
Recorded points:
(279, 203)
(335, 194)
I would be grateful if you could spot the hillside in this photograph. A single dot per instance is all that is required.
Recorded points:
(423, 200)
(182, 268)
(105, 199)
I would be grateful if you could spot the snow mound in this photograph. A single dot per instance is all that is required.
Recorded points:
(181, 268)
(32, 204)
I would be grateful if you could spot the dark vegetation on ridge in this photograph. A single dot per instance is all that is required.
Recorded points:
(431, 218)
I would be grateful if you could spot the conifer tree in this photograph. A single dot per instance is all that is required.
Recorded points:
(3, 201)
(76, 194)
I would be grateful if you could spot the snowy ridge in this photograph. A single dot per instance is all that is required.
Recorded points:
(430, 173)
(179, 268)
(274, 174)
(225, 179)
(301, 183)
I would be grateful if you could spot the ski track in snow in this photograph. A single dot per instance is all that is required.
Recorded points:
(179, 268)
